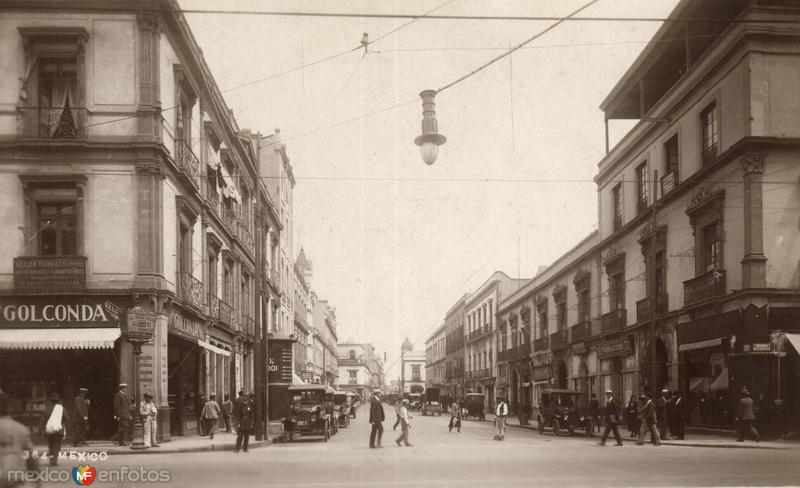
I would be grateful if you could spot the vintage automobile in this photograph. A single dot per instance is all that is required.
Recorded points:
(430, 404)
(308, 414)
(558, 410)
(472, 405)
(352, 400)
(341, 402)
(330, 409)
(415, 401)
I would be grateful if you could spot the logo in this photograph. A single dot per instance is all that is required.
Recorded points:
(84, 475)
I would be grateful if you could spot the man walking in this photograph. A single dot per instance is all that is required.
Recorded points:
(398, 403)
(612, 419)
(149, 413)
(405, 420)
(500, 414)
(679, 415)
(81, 423)
(243, 412)
(227, 411)
(455, 417)
(17, 447)
(594, 411)
(647, 414)
(745, 416)
(376, 418)
(122, 414)
(210, 415)
(662, 404)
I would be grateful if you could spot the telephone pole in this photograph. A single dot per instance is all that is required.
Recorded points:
(258, 357)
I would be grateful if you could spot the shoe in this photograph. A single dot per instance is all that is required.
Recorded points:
(619, 443)
(640, 443)
(156, 445)
(398, 444)
(409, 445)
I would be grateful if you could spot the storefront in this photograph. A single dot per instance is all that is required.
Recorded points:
(185, 371)
(617, 365)
(58, 344)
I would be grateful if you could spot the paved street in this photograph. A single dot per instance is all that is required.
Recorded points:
(471, 458)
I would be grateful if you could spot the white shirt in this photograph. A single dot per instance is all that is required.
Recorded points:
(501, 410)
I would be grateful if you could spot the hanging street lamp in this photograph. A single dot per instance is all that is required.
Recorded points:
(430, 139)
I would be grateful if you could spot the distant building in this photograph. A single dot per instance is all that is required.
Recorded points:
(413, 365)
(325, 342)
(435, 358)
(360, 370)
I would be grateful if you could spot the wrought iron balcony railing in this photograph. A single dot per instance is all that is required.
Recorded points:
(559, 338)
(613, 320)
(540, 344)
(708, 285)
(190, 290)
(581, 331)
(187, 161)
(644, 307)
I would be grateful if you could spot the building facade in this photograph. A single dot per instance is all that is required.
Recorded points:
(454, 349)
(480, 334)
(436, 359)
(360, 369)
(413, 375)
(325, 341)
(134, 195)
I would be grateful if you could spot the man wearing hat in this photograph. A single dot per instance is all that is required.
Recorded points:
(81, 423)
(405, 420)
(53, 424)
(662, 403)
(149, 413)
(647, 414)
(500, 415)
(745, 416)
(376, 418)
(612, 419)
(122, 414)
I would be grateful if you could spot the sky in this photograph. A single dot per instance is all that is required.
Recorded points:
(395, 242)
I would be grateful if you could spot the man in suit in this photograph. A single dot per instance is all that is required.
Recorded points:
(243, 413)
(612, 419)
(122, 414)
(81, 422)
(745, 416)
(680, 414)
(376, 418)
(647, 414)
(594, 411)
(661, 413)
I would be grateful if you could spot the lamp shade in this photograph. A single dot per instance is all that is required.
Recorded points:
(429, 151)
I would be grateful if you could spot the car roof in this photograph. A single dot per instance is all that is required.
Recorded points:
(340, 392)
(560, 390)
(311, 387)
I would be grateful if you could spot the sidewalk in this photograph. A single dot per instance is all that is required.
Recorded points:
(694, 438)
(223, 441)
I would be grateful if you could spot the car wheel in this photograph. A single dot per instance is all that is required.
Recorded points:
(540, 425)
(556, 427)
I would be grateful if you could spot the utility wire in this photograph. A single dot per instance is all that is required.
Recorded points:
(519, 46)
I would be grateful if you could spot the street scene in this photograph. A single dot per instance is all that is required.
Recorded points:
(381, 243)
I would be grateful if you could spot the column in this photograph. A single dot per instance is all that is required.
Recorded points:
(149, 110)
(754, 262)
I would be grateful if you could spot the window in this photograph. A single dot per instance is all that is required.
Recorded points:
(415, 375)
(185, 248)
(616, 291)
(541, 312)
(245, 295)
(353, 380)
(671, 155)
(227, 281)
(710, 133)
(503, 341)
(213, 269)
(616, 202)
(561, 314)
(352, 354)
(58, 95)
(712, 247)
(641, 188)
(583, 305)
(57, 229)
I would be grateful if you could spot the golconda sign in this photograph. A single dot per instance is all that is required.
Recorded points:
(49, 312)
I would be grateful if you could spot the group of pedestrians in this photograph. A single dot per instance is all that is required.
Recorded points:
(645, 416)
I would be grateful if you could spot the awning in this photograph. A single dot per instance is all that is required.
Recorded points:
(81, 338)
(795, 340)
(213, 348)
(700, 345)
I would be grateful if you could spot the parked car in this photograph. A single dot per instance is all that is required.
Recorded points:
(330, 409)
(341, 406)
(308, 415)
(415, 401)
(472, 406)
(558, 410)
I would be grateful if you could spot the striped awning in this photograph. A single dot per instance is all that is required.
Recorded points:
(83, 338)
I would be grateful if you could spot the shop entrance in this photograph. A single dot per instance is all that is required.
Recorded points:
(30, 376)
(183, 386)
(790, 386)
(562, 375)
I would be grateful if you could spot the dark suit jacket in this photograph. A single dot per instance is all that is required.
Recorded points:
(376, 413)
(81, 408)
(680, 409)
(647, 412)
(745, 410)
(122, 406)
(612, 411)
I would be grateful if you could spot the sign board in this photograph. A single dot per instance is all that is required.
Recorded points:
(761, 347)
(140, 324)
(60, 312)
(279, 361)
(617, 347)
(542, 372)
(43, 274)
(185, 326)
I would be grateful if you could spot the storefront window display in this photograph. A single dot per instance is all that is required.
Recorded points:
(708, 385)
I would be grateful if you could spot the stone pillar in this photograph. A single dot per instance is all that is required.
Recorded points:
(149, 109)
(149, 236)
(160, 387)
(754, 261)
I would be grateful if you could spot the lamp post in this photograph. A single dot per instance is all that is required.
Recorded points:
(430, 139)
(138, 327)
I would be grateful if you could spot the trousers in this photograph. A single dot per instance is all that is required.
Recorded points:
(654, 437)
(745, 427)
(500, 424)
(150, 431)
(403, 435)
(242, 440)
(123, 431)
(611, 427)
(376, 432)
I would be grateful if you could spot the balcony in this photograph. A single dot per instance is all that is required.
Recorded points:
(249, 326)
(54, 123)
(644, 308)
(479, 374)
(187, 162)
(524, 350)
(220, 311)
(559, 338)
(229, 219)
(581, 331)
(350, 362)
(212, 199)
(613, 321)
(246, 237)
(190, 290)
(668, 183)
(704, 287)
(502, 356)
(275, 276)
(540, 344)
(512, 354)
(478, 333)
